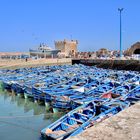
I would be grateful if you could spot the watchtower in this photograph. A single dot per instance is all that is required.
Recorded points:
(68, 48)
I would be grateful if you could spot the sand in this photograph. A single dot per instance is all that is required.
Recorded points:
(13, 64)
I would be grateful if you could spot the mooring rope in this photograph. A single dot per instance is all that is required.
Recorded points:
(18, 125)
(25, 116)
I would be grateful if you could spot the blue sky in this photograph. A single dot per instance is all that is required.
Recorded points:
(94, 23)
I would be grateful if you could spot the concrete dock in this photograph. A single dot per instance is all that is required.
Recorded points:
(123, 126)
(110, 63)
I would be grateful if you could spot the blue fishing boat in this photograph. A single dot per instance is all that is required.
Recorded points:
(80, 118)
(96, 92)
(7, 83)
(133, 96)
(103, 111)
(117, 92)
(69, 122)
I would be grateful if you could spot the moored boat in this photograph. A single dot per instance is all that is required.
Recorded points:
(69, 122)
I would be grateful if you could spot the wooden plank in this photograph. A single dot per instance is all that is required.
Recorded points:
(70, 126)
(88, 109)
(82, 114)
(77, 120)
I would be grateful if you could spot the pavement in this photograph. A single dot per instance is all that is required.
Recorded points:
(123, 126)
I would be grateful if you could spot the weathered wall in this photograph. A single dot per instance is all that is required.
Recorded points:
(67, 47)
(111, 64)
(132, 49)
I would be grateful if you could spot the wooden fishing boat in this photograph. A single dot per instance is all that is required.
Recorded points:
(62, 98)
(117, 92)
(69, 122)
(133, 96)
(80, 118)
(91, 94)
(103, 111)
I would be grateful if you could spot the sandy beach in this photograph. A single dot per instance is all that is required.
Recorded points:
(13, 64)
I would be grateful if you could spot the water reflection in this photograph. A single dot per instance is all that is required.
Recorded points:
(5, 93)
(53, 116)
(13, 98)
(29, 105)
(38, 109)
(20, 101)
(24, 115)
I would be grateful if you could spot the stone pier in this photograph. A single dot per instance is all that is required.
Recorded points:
(123, 126)
(110, 63)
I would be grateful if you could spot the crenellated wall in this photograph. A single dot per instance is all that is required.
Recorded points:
(67, 47)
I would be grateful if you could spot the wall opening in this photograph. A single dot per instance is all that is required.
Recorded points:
(137, 51)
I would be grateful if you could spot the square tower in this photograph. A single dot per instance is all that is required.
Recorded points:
(68, 48)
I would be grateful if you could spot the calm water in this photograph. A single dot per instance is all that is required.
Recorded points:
(22, 119)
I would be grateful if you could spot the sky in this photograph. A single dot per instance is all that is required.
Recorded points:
(25, 24)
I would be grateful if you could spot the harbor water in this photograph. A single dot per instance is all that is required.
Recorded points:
(22, 118)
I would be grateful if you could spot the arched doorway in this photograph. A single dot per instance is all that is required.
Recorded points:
(137, 51)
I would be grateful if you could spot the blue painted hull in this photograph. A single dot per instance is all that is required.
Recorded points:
(7, 85)
(80, 118)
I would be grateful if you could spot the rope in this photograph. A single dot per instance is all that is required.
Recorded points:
(29, 116)
(13, 124)
(13, 117)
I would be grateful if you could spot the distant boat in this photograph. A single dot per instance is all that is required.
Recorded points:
(44, 51)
